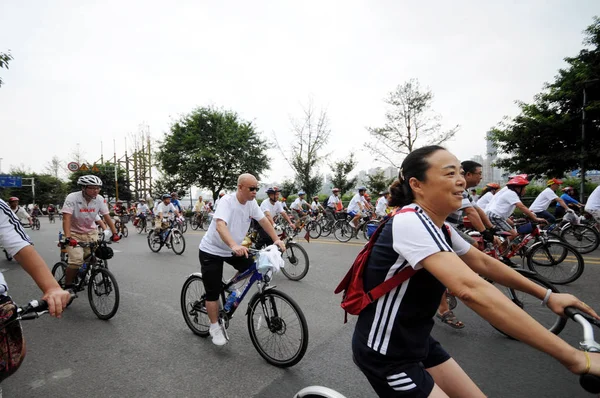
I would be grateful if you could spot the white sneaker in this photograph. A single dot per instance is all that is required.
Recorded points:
(218, 338)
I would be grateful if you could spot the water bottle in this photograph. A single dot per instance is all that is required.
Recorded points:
(231, 299)
(60, 236)
(82, 270)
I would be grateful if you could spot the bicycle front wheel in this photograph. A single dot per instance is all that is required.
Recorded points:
(583, 238)
(154, 241)
(314, 229)
(194, 223)
(343, 231)
(556, 261)
(193, 308)
(59, 272)
(141, 226)
(531, 305)
(277, 328)
(125, 231)
(177, 242)
(103, 293)
(296, 262)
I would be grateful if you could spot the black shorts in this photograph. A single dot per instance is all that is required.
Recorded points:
(399, 379)
(211, 267)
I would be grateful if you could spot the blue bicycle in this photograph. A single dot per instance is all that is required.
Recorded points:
(276, 324)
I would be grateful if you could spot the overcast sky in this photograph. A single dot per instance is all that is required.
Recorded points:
(91, 71)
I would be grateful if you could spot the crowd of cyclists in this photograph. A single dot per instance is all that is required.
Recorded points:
(431, 182)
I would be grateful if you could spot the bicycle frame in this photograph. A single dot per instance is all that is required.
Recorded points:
(254, 276)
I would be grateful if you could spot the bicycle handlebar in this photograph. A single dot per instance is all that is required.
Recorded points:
(589, 382)
(36, 308)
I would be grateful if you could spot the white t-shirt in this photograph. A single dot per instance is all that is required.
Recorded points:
(299, 204)
(22, 215)
(593, 202)
(485, 200)
(273, 209)
(353, 206)
(333, 200)
(166, 210)
(83, 214)
(424, 239)
(142, 208)
(237, 216)
(381, 206)
(12, 235)
(543, 200)
(503, 203)
(315, 206)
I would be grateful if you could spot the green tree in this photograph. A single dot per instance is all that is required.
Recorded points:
(377, 182)
(311, 134)
(341, 169)
(106, 173)
(48, 189)
(168, 184)
(545, 138)
(209, 148)
(409, 118)
(288, 187)
(5, 58)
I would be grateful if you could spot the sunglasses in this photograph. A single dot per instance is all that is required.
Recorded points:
(253, 189)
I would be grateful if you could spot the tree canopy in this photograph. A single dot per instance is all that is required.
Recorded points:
(209, 148)
(5, 58)
(545, 138)
(378, 182)
(409, 118)
(48, 189)
(340, 170)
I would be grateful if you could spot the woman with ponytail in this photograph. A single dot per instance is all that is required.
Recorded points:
(392, 344)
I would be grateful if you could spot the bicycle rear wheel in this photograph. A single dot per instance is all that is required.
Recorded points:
(343, 231)
(583, 238)
(277, 328)
(177, 242)
(296, 262)
(193, 309)
(531, 305)
(556, 261)
(103, 293)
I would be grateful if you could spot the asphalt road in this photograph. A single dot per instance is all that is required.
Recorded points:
(147, 350)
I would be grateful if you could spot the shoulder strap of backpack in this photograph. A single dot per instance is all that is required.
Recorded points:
(397, 279)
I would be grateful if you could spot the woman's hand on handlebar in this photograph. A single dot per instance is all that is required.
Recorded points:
(559, 301)
(57, 300)
(239, 251)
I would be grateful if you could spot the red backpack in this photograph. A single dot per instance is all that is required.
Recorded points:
(354, 298)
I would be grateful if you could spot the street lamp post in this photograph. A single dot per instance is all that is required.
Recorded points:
(582, 186)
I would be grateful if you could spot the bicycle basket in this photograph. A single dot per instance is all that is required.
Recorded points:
(341, 215)
(104, 252)
(124, 219)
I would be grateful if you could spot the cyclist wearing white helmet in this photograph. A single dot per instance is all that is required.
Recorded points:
(357, 206)
(298, 208)
(79, 216)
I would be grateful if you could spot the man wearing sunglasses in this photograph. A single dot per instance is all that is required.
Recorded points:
(225, 234)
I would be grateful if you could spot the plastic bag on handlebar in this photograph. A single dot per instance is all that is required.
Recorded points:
(571, 217)
(269, 259)
(12, 344)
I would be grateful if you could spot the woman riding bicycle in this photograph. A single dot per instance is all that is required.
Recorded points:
(487, 194)
(392, 344)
